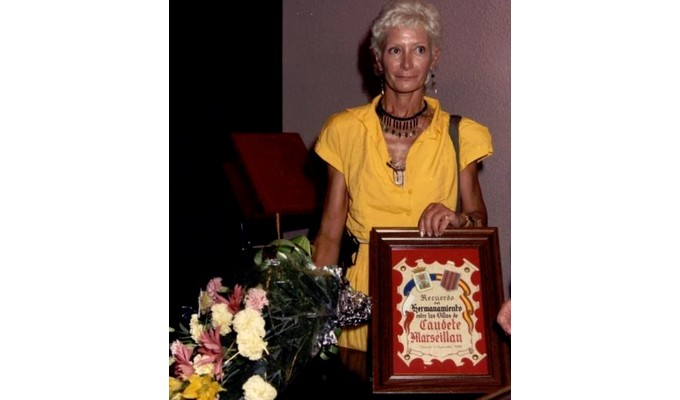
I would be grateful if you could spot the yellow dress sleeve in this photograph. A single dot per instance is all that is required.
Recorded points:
(329, 145)
(475, 142)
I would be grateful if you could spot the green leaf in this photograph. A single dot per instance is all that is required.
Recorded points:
(258, 257)
(303, 242)
(282, 242)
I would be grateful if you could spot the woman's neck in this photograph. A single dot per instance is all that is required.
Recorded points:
(402, 105)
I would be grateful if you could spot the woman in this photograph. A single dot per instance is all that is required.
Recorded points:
(391, 162)
(503, 317)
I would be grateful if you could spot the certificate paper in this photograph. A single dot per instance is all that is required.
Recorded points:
(438, 326)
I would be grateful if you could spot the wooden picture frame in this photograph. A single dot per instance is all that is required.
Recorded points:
(435, 301)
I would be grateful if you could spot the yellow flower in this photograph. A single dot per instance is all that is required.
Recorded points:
(204, 302)
(175, 386)
(202, 388)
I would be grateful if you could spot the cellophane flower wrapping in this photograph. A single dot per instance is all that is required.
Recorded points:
(250, 341)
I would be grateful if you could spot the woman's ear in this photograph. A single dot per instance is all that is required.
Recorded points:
(435, 58)
(377, 64)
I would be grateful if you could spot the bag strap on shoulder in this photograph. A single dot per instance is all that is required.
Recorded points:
(453, 131)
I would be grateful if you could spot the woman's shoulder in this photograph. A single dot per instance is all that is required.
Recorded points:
(464, 122)
(475, 134)
(471, 125)
(349, 116)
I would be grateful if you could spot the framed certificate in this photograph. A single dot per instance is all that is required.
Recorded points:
(435, 301)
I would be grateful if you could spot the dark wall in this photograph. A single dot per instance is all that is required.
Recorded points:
(221, 80)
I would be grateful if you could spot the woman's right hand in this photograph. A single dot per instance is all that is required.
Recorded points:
(436, 218)
(328, 239)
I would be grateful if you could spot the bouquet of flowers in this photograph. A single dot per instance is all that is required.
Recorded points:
(249, 341)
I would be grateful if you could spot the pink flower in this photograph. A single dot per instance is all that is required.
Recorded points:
(182, 355)
(235, 299)
(256, 298)
(213, 288)
(211, 348)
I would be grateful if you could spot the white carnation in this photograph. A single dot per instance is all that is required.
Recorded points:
(250, 345)
(205, 369)
(251, 320)
(257, 388)
(195, 328)
(221, 318)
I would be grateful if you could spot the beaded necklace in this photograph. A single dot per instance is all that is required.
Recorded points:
(400, 127)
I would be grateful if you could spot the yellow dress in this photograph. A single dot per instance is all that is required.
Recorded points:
(352, 142)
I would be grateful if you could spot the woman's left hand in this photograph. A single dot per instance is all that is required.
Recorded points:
(436, 218)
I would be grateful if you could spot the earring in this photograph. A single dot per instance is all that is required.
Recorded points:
(433, 83)
(382, 85)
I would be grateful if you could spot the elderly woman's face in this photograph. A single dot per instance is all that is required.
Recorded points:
(407, 58)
